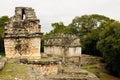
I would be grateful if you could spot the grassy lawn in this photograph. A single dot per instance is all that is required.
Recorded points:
(14, 71)
(94, 68)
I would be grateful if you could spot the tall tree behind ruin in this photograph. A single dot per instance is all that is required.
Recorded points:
(3, 20)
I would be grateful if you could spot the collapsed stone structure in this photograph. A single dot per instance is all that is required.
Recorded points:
(22, 35)
(63, 44)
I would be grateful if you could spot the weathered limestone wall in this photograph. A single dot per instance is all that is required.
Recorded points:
(50, 69)
(74, 51)
(22, 35)
(29, 49)
(87, 60)
(45, 67)
(61, 44)
(55, 50)
(58, 50)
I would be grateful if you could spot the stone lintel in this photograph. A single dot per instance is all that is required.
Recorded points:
(24, 36)
(60, 45)
(31, 20)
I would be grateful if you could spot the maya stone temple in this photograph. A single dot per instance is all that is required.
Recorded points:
(22, 35)
(60, 44)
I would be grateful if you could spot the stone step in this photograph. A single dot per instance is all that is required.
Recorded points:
(76, 73)
(73, 75)
(64, 77)
(68, 78)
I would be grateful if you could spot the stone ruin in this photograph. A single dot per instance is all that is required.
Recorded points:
(22, 35)
(22, 39)
(59, 44)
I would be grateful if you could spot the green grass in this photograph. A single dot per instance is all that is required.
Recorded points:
(94, 68)
(14, 71)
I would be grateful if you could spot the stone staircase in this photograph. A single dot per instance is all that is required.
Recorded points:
(78, 74)
(72, 72)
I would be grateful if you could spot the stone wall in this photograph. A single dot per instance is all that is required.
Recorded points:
(50, 69)
(63, 44)
(55, 70)
(22, 34)
(26, 49)
(87, 59)
(59, 51)
(75, 51)
(55, 50)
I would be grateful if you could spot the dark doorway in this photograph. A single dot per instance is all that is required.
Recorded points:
(23, 14)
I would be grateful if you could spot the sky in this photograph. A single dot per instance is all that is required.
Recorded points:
(51, 11)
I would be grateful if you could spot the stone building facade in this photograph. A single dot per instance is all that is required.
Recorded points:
(22, 35)
(63, 44)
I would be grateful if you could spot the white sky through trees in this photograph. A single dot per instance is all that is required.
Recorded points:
(50, 11)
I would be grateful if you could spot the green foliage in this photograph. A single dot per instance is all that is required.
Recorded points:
(3, 20)
(85, 24)
(89, 43)
(2, 53)
(42, 46)
(58, 27)
(109, 45)
(87, 28)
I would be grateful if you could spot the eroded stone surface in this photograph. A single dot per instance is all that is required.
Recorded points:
(60, 44)
(53, 71)
(22, 34)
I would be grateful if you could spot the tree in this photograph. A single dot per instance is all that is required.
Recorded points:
(86, 23)
(109, 45)
(3, 20)
(58, 27)
(87, 28)
(89, 43)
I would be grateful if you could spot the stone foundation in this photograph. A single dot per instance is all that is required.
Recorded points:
(54, 70)
(63, 44)
(50, 69)
(29, 49)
